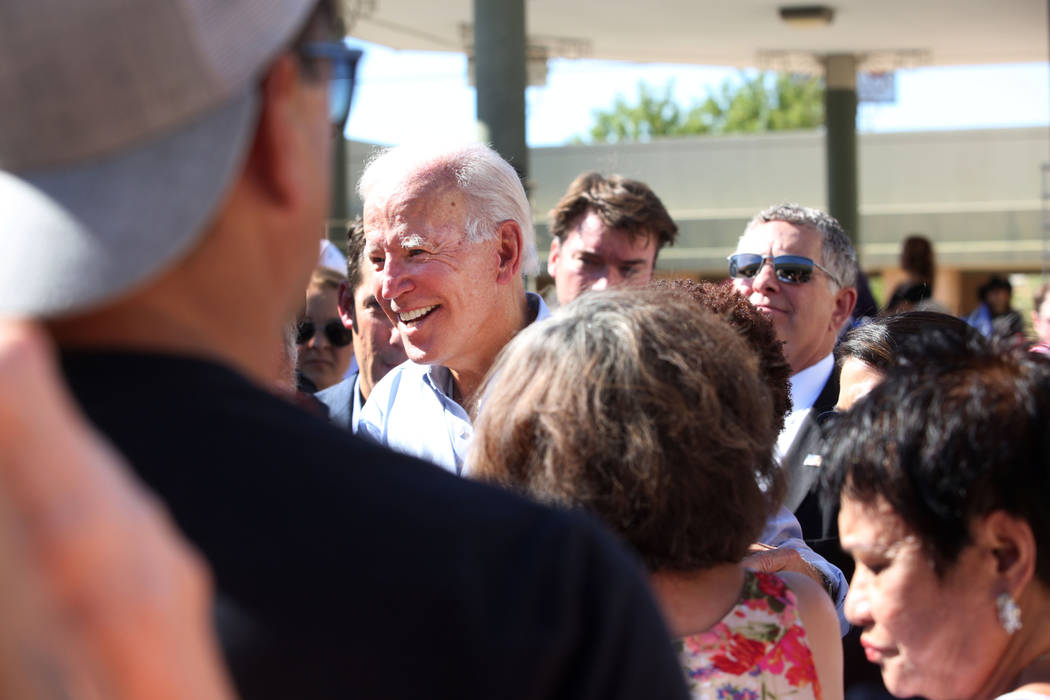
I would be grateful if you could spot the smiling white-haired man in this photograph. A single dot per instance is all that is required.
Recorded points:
(448, 236)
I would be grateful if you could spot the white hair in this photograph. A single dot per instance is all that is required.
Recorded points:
(490, 185)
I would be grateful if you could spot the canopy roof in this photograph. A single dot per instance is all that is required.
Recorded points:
(745, 33)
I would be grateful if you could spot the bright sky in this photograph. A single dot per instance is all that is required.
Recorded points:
(408, 95)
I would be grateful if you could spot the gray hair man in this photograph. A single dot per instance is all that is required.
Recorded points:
(449, 235)
(796, 265)
(187, 143)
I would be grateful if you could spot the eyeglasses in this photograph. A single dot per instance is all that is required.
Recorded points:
(334, 330)
(343, 61)
(790, 269)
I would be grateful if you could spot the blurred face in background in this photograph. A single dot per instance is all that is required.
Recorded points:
(323, 341)
(1041, 320)
(377, 343)
(856, 379)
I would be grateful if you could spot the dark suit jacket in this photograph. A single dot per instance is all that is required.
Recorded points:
(339, 398)
(819, 526)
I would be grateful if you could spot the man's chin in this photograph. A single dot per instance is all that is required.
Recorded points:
(422, 356)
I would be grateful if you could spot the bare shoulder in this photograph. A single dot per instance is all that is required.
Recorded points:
(817, 613)
(814, 604)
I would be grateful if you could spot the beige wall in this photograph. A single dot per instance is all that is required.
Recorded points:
(976, 194)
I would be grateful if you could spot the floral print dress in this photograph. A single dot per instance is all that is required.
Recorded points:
(758, 651)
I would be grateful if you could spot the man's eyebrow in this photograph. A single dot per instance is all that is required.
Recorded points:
(614, 260)
(413, 240)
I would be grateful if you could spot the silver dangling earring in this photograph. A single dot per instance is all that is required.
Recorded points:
(1009, 612)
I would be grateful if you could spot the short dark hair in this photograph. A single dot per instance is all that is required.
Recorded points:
(621, 203)
(753, 326)
(910, 338)
(947, 445)
(645, 409)
(994, 282)
(355, 253)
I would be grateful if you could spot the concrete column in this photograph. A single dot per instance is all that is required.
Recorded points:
(840, 117)
(499, 74)
(340, 205)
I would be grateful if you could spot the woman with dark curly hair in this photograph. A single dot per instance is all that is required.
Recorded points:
(649, 411)
(942, 472)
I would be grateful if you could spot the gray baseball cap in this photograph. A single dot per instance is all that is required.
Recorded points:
(124, 125)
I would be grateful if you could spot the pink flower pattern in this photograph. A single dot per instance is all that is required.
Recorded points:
(758, 650)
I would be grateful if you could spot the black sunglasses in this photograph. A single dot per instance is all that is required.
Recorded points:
(341, 79)
(334, 330)
(790, 269)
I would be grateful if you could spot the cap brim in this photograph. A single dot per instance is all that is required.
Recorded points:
(78, 237)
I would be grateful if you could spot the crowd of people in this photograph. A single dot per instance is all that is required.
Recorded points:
(421, 481)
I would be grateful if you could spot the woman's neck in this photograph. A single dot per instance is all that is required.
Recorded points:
(694, 601)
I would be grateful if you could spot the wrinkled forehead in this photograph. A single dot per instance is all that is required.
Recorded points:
(781, 238)
(422, 211)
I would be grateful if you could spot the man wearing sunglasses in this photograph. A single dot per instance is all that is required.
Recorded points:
(181, 148)
(797, 266)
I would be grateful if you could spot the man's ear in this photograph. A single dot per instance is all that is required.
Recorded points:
(1011, 544)
(347, 311)
(510, 245)
(845, 300)
(552, 259)
(271, 165)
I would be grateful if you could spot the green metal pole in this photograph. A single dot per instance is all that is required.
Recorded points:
(340, 205)
(499, 73)
(840, 117)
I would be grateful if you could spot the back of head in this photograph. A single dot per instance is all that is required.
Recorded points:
(134, 118)
(753, 326)
(621, 203)
(644, 409)
(908, 295)
(945, 445)
(836, 248)
(912, 338)
(917, 258)
(490, 185)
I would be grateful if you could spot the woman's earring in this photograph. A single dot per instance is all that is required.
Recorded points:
(1009, 612)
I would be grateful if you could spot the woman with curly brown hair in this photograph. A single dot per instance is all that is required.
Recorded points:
(648, 411)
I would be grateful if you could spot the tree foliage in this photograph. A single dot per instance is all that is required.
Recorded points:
(756, 102)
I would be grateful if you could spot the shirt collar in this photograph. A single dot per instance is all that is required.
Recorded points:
(807, 384)
(439, 377)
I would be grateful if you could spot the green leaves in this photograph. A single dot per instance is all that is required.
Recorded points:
(752, 103)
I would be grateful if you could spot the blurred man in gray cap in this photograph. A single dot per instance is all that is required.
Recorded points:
(186, 144)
